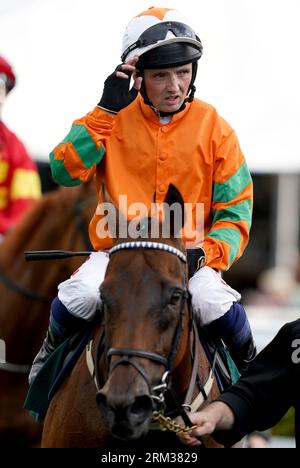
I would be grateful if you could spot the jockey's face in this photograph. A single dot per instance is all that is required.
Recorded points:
(167, 88)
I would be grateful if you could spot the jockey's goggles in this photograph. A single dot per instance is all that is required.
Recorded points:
(159, 31)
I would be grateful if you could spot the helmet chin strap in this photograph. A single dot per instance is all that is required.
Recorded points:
(189, 98)
(159, 113)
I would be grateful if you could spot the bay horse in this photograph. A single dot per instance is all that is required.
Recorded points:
(58, 220)
(144, 360)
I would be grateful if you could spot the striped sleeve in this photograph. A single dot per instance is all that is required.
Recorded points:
(76, 158)
(231, 207)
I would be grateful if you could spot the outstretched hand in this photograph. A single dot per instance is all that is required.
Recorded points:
(117, 93)
(204, 426)
(215, 416)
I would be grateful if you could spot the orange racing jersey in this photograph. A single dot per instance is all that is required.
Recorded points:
(136, 155)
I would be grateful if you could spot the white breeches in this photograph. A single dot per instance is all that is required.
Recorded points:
(211, 295)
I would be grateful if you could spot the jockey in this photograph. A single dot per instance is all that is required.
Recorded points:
(136, 142)
(20, 183)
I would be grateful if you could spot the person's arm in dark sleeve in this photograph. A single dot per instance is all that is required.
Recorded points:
(267, 390)
(260, 398)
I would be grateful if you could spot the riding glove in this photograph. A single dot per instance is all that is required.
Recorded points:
(195, 260)
(116, 93)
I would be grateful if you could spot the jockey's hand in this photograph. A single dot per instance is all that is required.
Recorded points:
(195, 260)
(117, 93)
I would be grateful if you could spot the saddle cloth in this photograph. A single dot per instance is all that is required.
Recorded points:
(53, 373)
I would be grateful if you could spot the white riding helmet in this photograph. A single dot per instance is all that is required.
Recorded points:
(158, 27)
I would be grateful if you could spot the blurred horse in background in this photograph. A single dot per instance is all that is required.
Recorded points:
(58, 221)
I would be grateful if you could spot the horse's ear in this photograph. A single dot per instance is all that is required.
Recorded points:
(176, 217)
(173, 196)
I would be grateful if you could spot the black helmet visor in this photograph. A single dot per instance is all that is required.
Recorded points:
(169, 55)
(158, 32)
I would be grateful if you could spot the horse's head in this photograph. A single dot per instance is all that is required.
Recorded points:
(146, 320)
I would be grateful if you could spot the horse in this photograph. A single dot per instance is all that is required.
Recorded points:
(144, 360)
(58, 220)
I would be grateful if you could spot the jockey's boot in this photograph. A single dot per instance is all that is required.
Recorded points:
(234, 329)
(50, 343)
(62, 324)
(244, 355)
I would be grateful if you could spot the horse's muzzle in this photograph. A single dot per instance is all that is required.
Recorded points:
(127, 417)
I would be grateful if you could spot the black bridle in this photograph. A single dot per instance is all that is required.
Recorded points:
(128, 355)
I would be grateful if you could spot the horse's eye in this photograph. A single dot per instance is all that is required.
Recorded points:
(176, 297)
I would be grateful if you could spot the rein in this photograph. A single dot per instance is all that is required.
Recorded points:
(81, 228)
(26, 292)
